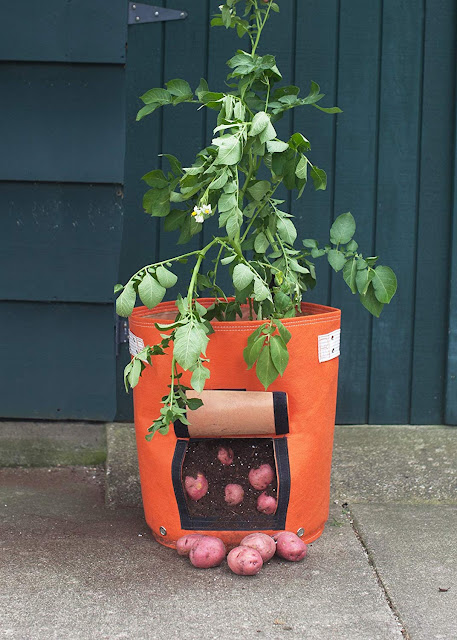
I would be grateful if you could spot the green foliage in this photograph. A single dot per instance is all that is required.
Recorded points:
(235, 177)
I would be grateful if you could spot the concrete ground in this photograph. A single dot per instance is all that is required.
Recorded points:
(385, 568)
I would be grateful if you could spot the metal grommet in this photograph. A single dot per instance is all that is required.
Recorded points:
(163, 531)
(300, 532)
(133, 6)
(137, 18)
(156, 13)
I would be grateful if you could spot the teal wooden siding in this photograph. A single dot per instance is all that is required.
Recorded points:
(70, 188)
(61, 172)
(390, 65)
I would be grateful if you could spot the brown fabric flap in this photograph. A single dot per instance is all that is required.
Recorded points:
(227, 413)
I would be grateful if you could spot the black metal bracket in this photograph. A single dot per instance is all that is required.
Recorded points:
(122, 332)
(139, 13)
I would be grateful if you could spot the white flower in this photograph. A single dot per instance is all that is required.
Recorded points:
(199, 217)
(197, 211)
(206, 209)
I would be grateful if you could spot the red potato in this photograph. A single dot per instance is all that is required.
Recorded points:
(262, 543)
(260, 478)
(266, 504)
(289, 546)
(245, 561)
(197, 487)
(207, 552)
(234, 494)
(225, 455)
(185, 543)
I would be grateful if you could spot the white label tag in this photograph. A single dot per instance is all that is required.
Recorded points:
(329, 345)
(135, 344)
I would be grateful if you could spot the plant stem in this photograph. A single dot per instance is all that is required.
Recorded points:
(201, 254)
(260, 25)
(157, 264)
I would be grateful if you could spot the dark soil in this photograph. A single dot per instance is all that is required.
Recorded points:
(249, 453)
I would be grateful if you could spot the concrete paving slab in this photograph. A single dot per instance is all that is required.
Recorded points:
(70, 568)
(122, 476)
(42, 444)
(414, 549)
(395, 464)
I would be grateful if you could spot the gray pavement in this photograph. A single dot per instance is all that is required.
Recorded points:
(385, 567)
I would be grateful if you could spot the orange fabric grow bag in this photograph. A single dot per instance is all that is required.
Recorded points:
(303, 454)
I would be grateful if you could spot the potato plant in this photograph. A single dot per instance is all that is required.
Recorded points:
(271, 269)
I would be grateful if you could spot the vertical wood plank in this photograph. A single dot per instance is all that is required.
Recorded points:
(183, 125)
(140, 231)
(355, 189)
(399, 143)
(435, 211)
(316, 59)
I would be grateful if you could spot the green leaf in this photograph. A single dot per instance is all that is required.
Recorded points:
(261, 291)
(298, 142)
(157, 202)
(199, 377)
(166, 278)
(259, 189)
(282, 301)
(179, 88)
(301, 170)
(319, 178)
(277, 146)
(126, 301)
(159, 96)
(233, 225)
(310, 243)
(259, 122)
(229, 149)
(384, 284)
(135, 372)
(118, 287)
(287, 230)
(269, 133)
(150, 291)
(190, 340)
(228, 259)
(342, 229)
(194, 403)
(370, 302)
(279, 354)
(227, 201)
(336, 259)
(314, 94)
(156, 179)
(265, 368)
(252, 351)
(363, 279)
(175, 219)
(146, 110)
(283, 332)
(349, 274)
(175, 164)
(328, 109)
(202, 88)
(242, 276)
(220, 181)
(261, 243)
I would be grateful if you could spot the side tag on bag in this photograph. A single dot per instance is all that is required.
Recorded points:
(329, 345)
(135, 344)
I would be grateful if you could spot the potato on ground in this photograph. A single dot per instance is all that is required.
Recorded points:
(261, 477)
(234, 494)
(207, 552)
(262, 543)
(185, 543)
(289, 546)
(245, 561)
(197, 487)
(266, 504)
(225, 455)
